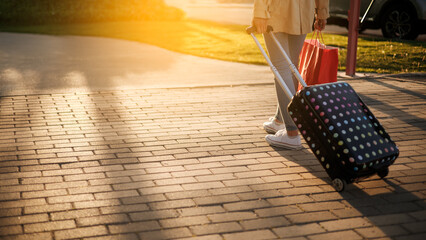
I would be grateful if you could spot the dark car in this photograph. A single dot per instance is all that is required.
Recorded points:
(402, 19)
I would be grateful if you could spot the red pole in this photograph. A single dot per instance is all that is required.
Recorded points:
(353, 18)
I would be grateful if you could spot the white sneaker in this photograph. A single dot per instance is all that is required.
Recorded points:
(272, 126)
(282, 140)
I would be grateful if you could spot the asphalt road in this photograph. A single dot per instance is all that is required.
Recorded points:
(31, 64)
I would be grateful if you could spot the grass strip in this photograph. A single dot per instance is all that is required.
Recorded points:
(230, 42)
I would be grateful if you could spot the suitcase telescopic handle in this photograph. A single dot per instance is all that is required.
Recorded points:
(252, 30)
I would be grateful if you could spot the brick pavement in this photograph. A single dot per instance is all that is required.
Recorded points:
(192, 162)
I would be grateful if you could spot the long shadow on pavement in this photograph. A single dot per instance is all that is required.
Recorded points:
(393, 207)
(374, 207)
(133, 204)
(68, 159)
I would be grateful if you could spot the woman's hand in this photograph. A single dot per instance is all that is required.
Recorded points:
(261, 24)
(320, 24)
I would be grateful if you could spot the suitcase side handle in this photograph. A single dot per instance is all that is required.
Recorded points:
(252, 30)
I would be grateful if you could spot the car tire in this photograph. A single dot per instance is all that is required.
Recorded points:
(400, 22)
(361, 29)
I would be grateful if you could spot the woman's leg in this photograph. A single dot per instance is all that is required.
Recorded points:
(292, 44)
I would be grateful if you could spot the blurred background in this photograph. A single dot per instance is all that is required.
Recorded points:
(240, 12)
(406, 17)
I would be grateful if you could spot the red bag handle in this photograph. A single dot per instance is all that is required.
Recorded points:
(316, 34)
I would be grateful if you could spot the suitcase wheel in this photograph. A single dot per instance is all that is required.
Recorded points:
(383, 172)
(339, 184)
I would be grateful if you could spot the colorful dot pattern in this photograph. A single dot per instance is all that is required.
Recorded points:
(341, 130)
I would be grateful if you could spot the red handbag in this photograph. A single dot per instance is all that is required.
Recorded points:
(318, 63)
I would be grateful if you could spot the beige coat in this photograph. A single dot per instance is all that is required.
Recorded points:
(291, 16)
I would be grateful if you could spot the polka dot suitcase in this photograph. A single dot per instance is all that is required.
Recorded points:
(342, 132)
(338, 127)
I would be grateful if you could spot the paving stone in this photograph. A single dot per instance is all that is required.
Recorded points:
(49, 226)
(391, 219)
(63, 215)
(143, 199)
(116, 194)
(278, 211)
(209, 200)
(153, 215)
(399, 207)
(35, 236)
(354, 212)
(172, 181)
(192, 173)
(86, 176)
(205, 237)
(10, 196)
(230, 190)
(81, 232)
(180, 203)
(102, 220)
(45, 193)
(161, 189)
(200, 210)
(246, 205)
(298, 230)
(381, 232)
(64, 185)
(263, 223)
(231, 216)
(337, 235)
(282, 178)
(35, 218)
(134, 227)
(184, 221)
(97, 203)
(244, 162)
(290, 190)
(321, 206)
(416, 227)
(10, 212)
(345, 224)
(11, 230)
(412, 237)
(70, 198)
(206, 185)
(290, 200)
(311, 217)
(188, 194)
(229, 170)
(243, 182)
(259, 195)
(216, 228)
(192, 163)
(255, 235)
(420, 215)
(166, 234)
(130, 236)
(46, 208)
(91, 189)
